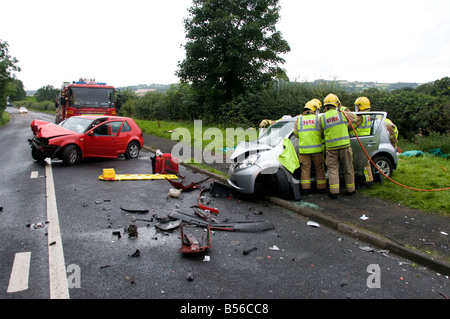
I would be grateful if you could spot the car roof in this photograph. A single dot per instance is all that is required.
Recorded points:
(108, 117)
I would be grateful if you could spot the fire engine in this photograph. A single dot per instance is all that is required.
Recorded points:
(86, 97)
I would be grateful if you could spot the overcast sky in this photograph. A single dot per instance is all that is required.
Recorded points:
(133, 42)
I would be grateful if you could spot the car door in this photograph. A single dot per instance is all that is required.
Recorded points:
(101, 141)
(368, 143)
(123, 136)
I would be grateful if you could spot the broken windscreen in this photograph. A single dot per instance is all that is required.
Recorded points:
(92, 97)
(275, 134)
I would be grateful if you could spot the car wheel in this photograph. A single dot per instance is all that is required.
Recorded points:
(132, 150)
(384, 164)
(37, 156)
(71, 155)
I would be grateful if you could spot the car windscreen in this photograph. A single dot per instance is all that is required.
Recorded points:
(275, 134)
(92, 97)
(76, 124)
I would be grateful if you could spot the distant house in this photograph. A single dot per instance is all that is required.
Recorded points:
(141, 92)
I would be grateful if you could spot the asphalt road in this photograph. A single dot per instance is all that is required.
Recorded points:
(292, 261)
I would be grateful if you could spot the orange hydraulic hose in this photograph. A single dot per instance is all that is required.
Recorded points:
(365, 152)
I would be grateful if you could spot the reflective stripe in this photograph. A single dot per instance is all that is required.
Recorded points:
(311, 146)
(334, 186)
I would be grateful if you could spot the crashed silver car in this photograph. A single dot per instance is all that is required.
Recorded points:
(256, 168)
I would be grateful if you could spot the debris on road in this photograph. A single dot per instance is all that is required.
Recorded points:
(190, 275)
(194, 244)
(132, 231)
(173, 192)
(136, 211)
(137, 253)
(190, 187)
(200, 204)
(168, 225)
(246, 252)
(313, 224)
(244, 226)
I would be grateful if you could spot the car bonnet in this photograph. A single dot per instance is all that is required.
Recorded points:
(245, 148)
(48, 130)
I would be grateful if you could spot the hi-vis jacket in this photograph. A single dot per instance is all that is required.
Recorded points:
(309, 135)
(335, 127)
(362, 129)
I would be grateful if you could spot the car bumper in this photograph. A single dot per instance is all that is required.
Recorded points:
(243, 180)
(43, 149)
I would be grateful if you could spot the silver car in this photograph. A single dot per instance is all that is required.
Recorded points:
(256, 167)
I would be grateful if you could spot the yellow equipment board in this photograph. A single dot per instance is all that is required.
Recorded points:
(110, 175)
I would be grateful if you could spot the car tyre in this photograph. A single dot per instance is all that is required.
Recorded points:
(71, 155)
(384, 164)
(132, 150)
(37, 156)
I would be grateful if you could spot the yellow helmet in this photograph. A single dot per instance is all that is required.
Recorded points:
(312, 105)
(362, 103)
(331, 99)
(319, 104)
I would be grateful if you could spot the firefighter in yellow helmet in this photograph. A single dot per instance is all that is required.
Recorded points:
(334, 125)
(363, 127)
(310, 142)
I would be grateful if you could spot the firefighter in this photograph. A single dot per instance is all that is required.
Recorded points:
(393, 132)
(311, 147)
(363, 126)
(266, 123)
(334, 124)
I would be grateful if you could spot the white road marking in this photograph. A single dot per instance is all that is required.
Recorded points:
(20, 272)
(59, 288)
(34, 174)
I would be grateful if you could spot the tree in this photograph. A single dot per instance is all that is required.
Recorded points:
(16, 92)
(46, 93)
(232, 47)
(7, 67)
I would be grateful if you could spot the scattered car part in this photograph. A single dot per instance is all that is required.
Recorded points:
(191, 243)
(246, 252)
(313, 224)
(173, 192)
(212, 210)
(218, 189)
(169, 225)
(136, 211)
(191, 186)
(132, 231)
(137, 253)
(244, 226)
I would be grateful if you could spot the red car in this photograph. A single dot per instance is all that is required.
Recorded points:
(84, 136)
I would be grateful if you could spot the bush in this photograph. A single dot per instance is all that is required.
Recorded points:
(433, 141)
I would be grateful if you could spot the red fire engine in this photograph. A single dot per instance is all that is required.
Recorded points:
(86, 97)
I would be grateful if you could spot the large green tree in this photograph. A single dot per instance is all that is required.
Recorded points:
(232, 47)
(46, 93)
(7, 67)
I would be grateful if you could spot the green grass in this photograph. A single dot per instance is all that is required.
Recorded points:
(5, 118)
(422, 173)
